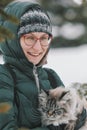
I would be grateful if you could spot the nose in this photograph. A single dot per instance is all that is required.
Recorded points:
(37, 46)
(50, 112)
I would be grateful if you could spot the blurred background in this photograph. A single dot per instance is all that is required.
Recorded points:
(69, 47)
(69, 20)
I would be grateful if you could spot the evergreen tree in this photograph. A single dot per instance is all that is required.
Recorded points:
(5, 33)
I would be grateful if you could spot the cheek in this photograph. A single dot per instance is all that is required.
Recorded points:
(22, 44)
(45, 50)
(24, 48)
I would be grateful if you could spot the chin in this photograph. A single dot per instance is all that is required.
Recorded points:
(35, 63)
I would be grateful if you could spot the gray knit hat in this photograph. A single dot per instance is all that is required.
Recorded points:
(34, 20)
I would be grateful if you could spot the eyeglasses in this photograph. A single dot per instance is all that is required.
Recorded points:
(30, 40)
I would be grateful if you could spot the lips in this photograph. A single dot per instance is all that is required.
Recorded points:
(34, 54)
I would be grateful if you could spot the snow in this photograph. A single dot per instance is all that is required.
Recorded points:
(69, 63)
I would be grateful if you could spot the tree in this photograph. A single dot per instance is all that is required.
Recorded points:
(5, 33)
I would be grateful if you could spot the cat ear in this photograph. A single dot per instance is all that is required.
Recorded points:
(64, 94)
(45, 91)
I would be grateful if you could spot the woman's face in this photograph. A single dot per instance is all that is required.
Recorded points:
(35, 45)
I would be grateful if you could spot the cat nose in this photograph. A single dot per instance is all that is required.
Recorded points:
(50, 113)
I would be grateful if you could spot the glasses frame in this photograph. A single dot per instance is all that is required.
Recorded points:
(36, 39)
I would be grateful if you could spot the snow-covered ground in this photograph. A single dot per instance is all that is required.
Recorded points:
(69, 63)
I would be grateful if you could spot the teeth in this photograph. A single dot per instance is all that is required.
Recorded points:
(34, 54)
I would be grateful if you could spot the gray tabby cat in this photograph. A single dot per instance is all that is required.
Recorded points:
(61, 106)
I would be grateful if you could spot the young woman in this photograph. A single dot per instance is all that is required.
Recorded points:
(23, 76)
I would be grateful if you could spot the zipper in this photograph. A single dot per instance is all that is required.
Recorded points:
(36, 77)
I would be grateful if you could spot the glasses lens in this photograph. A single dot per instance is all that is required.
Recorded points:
(45, 41)
(31, 40)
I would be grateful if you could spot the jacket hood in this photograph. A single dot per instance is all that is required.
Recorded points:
(11, 49)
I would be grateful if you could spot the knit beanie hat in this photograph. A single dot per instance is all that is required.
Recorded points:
(35, 19)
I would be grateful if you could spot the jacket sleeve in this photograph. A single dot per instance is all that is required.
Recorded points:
(81, 119)
(38, 128)
(8, 112)
(51, 127)
(8, 119)
(54, 78)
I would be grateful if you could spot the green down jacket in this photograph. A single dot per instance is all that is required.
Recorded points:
(19, 101)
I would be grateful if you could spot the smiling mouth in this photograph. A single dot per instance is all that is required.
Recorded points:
(33, 54)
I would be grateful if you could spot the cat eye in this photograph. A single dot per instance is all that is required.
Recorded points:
(59, 111)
